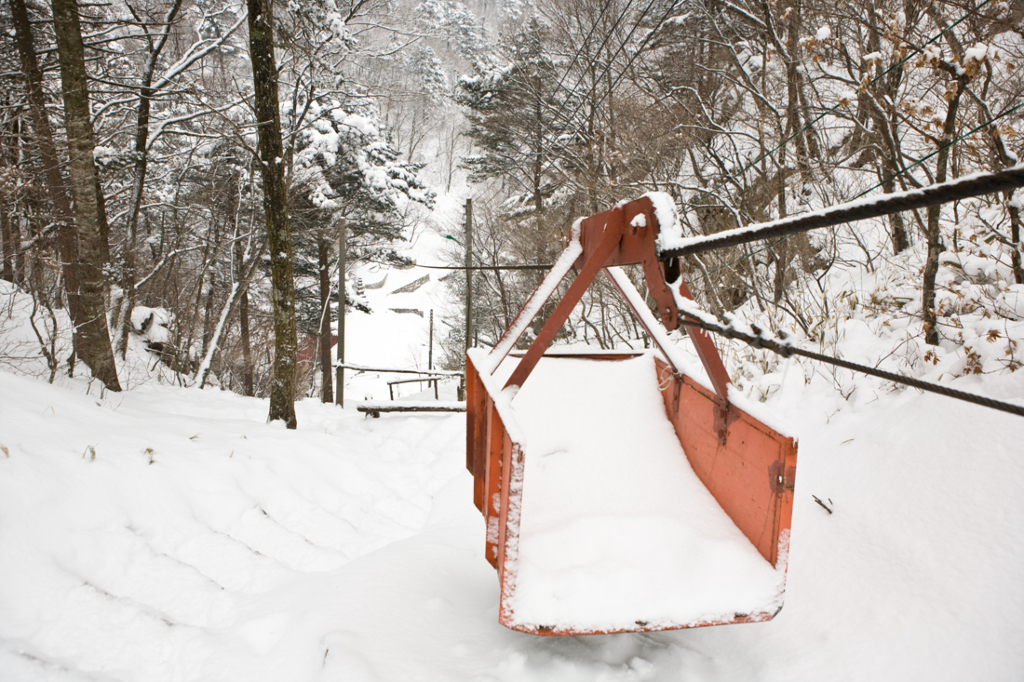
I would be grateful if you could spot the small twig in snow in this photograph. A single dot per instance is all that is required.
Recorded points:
(823, 505)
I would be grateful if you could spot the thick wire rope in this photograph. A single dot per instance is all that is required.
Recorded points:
(785, 349)
(876, 186)
(956, 190)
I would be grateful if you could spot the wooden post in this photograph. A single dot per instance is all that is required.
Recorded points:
(430, 344)
(469, 274)
(342, 258)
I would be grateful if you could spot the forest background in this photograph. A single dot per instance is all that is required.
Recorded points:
(133, 198)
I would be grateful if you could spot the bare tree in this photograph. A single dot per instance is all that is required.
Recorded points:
(67, 235)
(89, 210)
(275, 208)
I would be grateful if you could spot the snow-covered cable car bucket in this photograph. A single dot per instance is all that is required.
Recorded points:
(622, 493)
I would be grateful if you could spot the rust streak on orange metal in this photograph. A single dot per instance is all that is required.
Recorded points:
(476, 420)
(707, 352)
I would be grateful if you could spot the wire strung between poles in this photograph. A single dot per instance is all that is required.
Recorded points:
(955, 190)
(486, 267)
(785, 349)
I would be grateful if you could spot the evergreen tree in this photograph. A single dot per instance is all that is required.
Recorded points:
(516, 117)
(346, 170)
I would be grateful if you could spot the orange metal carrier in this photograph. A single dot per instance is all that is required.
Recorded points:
(747, 466)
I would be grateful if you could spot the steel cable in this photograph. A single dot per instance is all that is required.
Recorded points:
(892, 177)
(785, 349)
(955, 190)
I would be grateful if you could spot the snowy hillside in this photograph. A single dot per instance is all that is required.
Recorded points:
(200, 182)
(170, 534)
(396, 333)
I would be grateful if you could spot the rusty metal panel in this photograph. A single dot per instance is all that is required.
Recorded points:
(743, 473)
(751, 477)
(707, 352)
(476, 417)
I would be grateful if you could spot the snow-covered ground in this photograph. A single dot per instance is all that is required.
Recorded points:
(169, 533)
(396, 335)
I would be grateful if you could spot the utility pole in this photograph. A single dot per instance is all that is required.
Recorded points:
(469, 274)
(430, 347)
(342, 258)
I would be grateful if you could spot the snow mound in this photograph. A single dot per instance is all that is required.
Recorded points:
(616, 526)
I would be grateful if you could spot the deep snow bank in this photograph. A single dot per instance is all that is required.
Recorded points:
(350, 549)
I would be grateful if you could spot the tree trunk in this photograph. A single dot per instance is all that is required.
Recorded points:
(67, 235)
(781, 250)
(210, 345)
(275, 207)
(793, 83)
(146, 94)
(89, 209)
(248, 387)
(1018, 270)
(931, 266)
(784, 250)
(326, 381)
(128, 253)
(209, 310)
(239, 289)
(10, 243)
(897, 229)
(243, 323)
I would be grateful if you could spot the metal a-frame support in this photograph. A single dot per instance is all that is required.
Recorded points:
(747, 466)
(623, 235)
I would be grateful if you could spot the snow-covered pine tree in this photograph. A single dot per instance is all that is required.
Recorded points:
(514, 114)
(346, 170)
(461, 29)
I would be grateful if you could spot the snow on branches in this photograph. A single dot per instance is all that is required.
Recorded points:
(344, 150)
